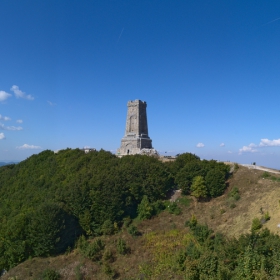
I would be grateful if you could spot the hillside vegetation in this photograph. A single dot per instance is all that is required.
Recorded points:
(96, 216)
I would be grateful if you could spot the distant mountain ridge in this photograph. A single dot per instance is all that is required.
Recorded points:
(6, 163)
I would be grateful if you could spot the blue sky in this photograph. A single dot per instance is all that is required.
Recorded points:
(208, 70)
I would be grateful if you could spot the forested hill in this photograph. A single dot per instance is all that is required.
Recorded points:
(50, 199)
(6, 163)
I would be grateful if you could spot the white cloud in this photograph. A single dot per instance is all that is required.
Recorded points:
(19, 121)
(222, 144)
(2, 136)
(269, 143)
(3, 127)
(51, 103)
(29, 147)
(20, 94)
(229, 152)
(252, 145)
(4, 95)
(264, 143)
(248, 149)
(4, 118)
(200, 145)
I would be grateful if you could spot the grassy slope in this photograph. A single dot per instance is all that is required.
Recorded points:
(256, 194)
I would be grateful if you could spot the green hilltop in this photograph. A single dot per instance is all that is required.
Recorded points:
(108, 213)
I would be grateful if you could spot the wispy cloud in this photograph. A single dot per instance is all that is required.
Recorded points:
(200, 145)
(4, 118)
(51, 103)
(20, 94)
(3, 127)
(248, 149)
(271, 21)
(222, 144)
(29, 147)
(19, 121)
(4, 95)
(120, 35)
(2, 136)
(269, 143)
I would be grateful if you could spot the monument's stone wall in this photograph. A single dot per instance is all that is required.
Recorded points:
(136, 135)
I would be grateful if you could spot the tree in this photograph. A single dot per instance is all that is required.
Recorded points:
(107, 228)
(50, 230)
(185, 176)
(182, 160)
(215, 182)
(85, 221)
(198, 188)
(145, 209)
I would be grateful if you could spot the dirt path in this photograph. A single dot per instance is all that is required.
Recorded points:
(270, 170)
(175, 195)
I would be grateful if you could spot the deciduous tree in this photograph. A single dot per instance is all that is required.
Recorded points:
(198, 187)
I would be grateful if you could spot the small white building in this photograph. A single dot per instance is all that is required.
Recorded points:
(87, 150)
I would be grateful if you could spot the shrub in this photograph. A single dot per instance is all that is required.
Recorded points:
(275, 179)
(236, 196)
(236, 167)
(158, 207)
(132, 229)
(266, 175)
(145, 209)
(232, 205)
(192, 250)
(127, 221)
(90, 250)
(192, 222)
(94, 249)
(173, 208)
(50, 274)
(108, 256)
(266, 216)
(234, 193)
(256, 225)
(201, 232)
(184, 201)
(122, 248)
(82, 243)
(208, 265)
(78, 273)
(107, 269)
(107, 227)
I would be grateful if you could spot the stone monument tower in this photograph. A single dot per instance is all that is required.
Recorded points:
(136, 139)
